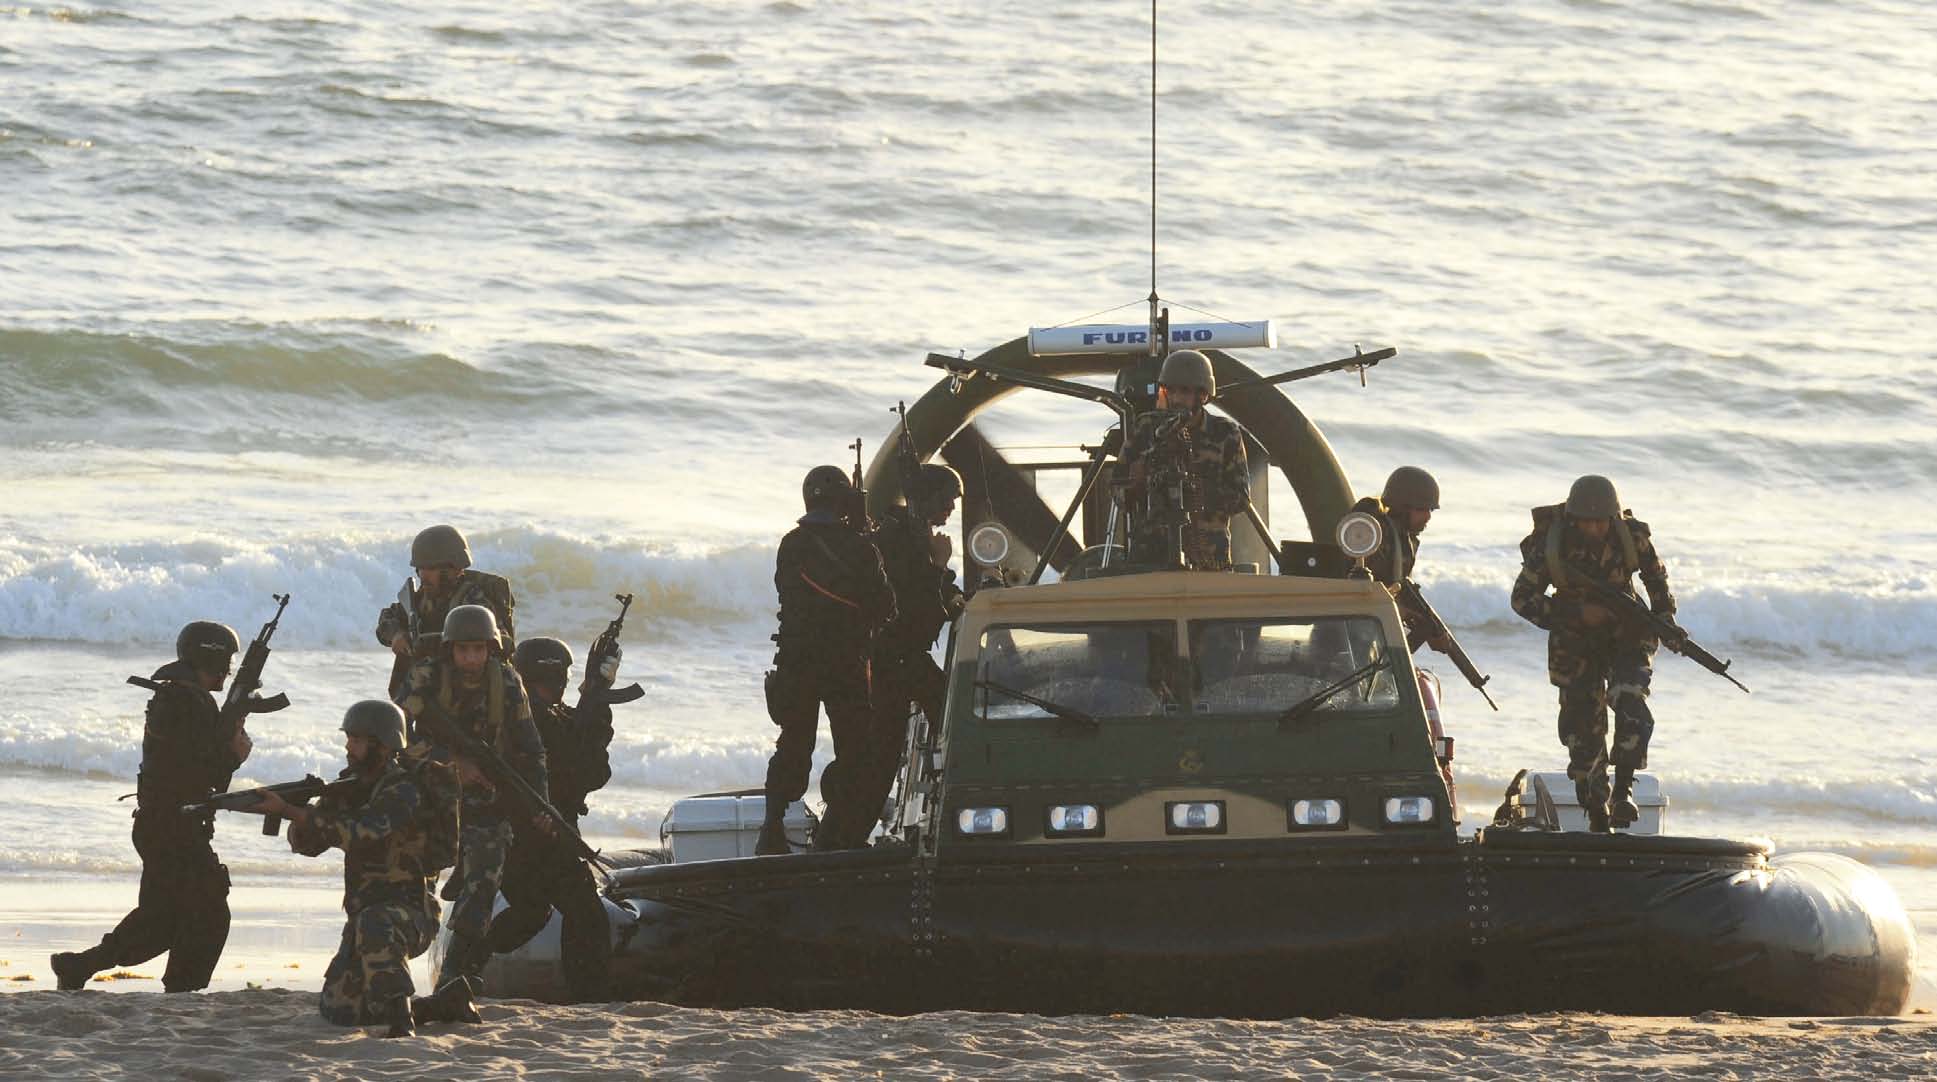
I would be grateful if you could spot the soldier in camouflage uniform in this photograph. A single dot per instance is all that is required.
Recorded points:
(834, 597)
(1405, 507)
(541, 875)
(442, 559)
(1213, 481)
(478, 690)
(1592, 657)
(397, 827)
(926, 600)
(187, 755)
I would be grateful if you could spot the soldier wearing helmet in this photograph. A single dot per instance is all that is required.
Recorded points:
(470, 681)
(834, 597)
(540, 875)
(398, 827)
(187, 754)
(915, 551)
(1405, 506)
(409, 626)
(1594, 659)
(1183, 471)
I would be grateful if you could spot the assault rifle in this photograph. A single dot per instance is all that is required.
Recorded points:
(527, 801)
(606, 645)
(1410, 597)
(250, 800)
(857, 516)
(1631, 610)
(242, 699)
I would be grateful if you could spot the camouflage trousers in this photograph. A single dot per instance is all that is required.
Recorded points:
(1205, 547)
(370, 969)
(483, 844)
(1596, 669)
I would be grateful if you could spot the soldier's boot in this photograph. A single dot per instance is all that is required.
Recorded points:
(1593, 803)
(1622, 810)
(401, 1018)
(72, 969)
(451, 1003)
(773, 834)
(464, 956)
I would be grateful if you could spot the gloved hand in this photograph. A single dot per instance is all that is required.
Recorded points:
(608, 669)
(940, 548)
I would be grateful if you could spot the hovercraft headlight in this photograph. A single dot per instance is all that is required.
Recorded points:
(1073, 821)
(1194, 817)
(1321, 814)
(1408, 811)
(982, 822)
(988, 544)
(1359, 534)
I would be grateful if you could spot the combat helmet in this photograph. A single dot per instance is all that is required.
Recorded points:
(440, 546)
(1593, 497)
(1411, 488)
(826, 488)
(379, 719)
(207, 645)
(547, 660)
(940, 483)
(470, 623)
(1188, 368)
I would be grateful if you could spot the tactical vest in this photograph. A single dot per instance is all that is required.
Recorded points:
(493, 702)
(1557, 526)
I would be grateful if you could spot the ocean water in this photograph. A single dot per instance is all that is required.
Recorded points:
(281, 284)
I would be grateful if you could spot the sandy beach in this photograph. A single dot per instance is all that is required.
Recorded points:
(275, 1033)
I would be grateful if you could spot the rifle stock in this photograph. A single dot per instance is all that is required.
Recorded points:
(1631, 610)
(1436, 628)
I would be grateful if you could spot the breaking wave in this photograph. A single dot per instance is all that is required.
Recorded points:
(142, 592)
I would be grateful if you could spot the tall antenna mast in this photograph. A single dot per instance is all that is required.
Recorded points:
(1159, 329)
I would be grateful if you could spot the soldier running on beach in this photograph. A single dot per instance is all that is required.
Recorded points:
(470, 683)
(541, 875)
(397, 827)
(410, 625)
(1592, 656)
(187, 754)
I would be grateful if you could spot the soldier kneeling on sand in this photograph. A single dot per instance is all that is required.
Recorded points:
(397, 827)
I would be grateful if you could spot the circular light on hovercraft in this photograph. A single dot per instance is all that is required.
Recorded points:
(1359, 535)
(984, 822)
(1194, 817)
(1073, 821)
(1324, 814)
(988, 544)
(1408, 811)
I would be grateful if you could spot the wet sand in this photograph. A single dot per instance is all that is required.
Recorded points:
(276, 1033)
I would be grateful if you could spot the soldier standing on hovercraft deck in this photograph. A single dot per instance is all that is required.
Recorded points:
(397, 826)
(1592, 656)
(409, 626)
(542, 875)
(1213, 481)
(834, 596)
(916, 557)
(187, 754)
(1405, 507)
(479, 691)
